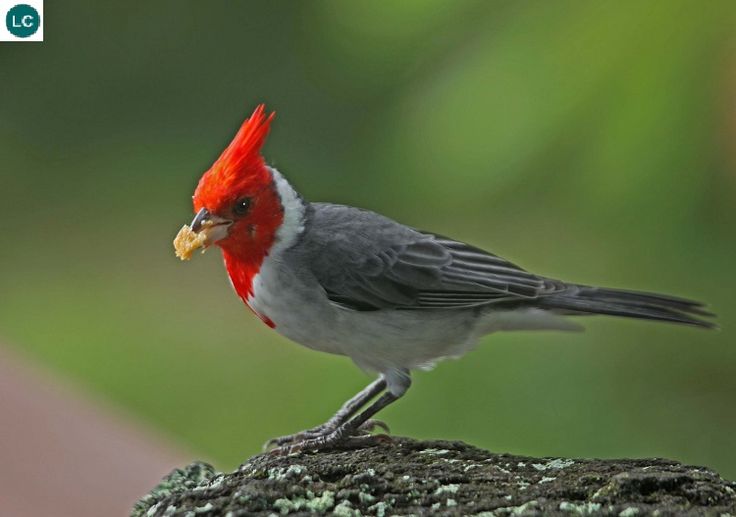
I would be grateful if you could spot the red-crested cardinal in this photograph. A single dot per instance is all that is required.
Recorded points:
(349, 281)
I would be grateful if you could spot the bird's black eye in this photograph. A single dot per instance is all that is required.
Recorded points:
(242, 206)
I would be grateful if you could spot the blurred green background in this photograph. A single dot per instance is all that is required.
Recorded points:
(590, 141)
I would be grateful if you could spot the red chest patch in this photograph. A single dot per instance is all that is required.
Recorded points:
(265, 319)
(241, 275)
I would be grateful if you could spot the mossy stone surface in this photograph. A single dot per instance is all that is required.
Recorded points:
(409, 477)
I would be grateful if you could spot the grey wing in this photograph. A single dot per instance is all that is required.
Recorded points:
(365, 261)
(474, 276)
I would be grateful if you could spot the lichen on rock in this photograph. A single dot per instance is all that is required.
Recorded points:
(409, 477)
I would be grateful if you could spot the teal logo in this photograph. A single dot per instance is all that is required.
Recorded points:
(22, 21)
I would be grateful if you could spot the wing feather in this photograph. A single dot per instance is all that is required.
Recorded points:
(365, 261)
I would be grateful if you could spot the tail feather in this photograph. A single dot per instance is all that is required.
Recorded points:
(579, 299)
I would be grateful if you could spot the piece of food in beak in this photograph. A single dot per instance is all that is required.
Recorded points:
(188, 241)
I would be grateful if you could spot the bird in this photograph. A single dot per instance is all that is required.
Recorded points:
(392, 298)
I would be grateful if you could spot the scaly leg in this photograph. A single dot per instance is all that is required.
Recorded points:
(344, 434)
(347, 410)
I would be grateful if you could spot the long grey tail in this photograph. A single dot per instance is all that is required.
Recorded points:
(581, 299)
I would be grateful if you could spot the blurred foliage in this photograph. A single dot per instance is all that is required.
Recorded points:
(591, 141)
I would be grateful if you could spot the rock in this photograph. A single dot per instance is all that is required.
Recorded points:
(409, 477)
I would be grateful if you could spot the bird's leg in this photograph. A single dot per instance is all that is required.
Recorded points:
(343, 414)
(343, 434)
(353, 405)
(397, 382)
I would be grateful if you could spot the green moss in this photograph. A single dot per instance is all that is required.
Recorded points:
(374, 481)
(435, 452)
(345, 509)
(323, 502)
(284, 506)
(191, 477)
(379, 508)
(514, 510)
(556, 463)
(447, 489)
(366, 498)
(291, 472)
(204, 509)
(581, 509)
(318, 504)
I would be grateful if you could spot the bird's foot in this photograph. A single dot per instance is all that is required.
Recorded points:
(326, 436)
(298, 437)
(339, 438)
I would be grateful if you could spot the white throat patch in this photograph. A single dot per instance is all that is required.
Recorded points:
(293, 223)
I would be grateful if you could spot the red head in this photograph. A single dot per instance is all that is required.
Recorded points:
(238, 197)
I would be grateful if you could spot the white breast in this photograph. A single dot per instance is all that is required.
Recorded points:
(375, 340)
(298, 310)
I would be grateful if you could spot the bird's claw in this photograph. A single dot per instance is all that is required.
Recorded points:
(296, 437)
(327, 436)
(331, 441)
(323, 431)
(371, 425)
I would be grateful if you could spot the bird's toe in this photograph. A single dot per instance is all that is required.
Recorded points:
(372, 425)
(296, 437)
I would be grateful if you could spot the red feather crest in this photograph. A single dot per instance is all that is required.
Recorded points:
(239, 168)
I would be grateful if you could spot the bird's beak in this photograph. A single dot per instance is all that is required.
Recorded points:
(213, 227)
(206, 229)
(202, 216)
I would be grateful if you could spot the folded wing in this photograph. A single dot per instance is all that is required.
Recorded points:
(365, 261)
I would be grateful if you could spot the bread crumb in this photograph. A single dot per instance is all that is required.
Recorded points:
(187, 242)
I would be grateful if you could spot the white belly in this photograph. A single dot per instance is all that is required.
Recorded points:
(296, 310)
(375, 340)
(381, 340)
